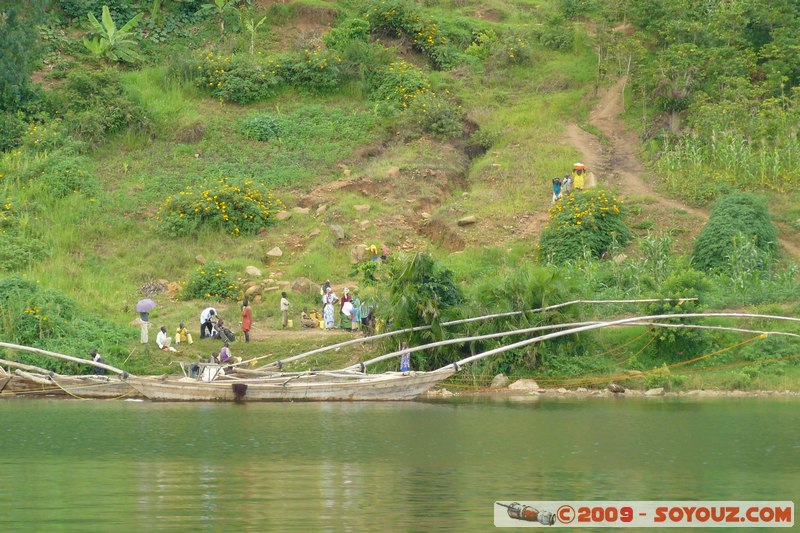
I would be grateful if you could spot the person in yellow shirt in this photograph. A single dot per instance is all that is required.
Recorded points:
(578, 176)
(182, 335)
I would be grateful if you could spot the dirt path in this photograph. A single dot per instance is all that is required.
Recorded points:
(616, 162)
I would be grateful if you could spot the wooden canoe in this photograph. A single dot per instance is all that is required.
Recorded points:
(304, 387)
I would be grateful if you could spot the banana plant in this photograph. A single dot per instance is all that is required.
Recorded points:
(220, 8)
(112, 43)
(251, 26)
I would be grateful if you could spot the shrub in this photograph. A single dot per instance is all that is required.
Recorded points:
(210, 281)
(236, 209)
(60, 177)
(735, 217)
(354, 29)
(436, 114)
(18, 252)
(239, 79)
(557, 34)
(511, 49)
(482, 44)
(316, 70)
(261, 127)
(95, 105)
(12, 130)
(397, 84)
(583, 223)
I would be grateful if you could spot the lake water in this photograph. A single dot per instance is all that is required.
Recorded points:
(408, 466)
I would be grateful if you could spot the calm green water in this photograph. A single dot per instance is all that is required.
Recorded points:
(138, 466)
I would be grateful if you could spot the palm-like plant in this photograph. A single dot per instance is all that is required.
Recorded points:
(115, 44)
(220, 8)
(252, 26)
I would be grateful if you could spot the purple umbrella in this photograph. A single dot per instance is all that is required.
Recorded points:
(145, 306)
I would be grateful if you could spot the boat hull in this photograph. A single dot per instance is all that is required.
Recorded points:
(380, 387)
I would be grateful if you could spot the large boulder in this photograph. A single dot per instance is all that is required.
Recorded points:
(304, 285)
(338, 231)
(274, 253)
(302, 210)
(499, 381)
(357, 253)
(200, 259)
(467, 220)
(283, 215)
(524, 385)
(659, 391)
(252, 271)
(252, 291)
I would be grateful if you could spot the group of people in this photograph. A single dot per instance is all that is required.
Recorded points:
(353, 313)
(575, 181)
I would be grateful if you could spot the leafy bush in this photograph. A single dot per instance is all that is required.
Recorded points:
(662, 378)
(236, 209)
(316, 69)
(262, 127)
(557, 34)
(94, 105)
(511, 49)
(354, 29)
(583, 224)
(482, 44)
(402, 18)
(78, 9)
(239, 79)
(436, 114)
(60, 177)
(45, 318)
(734, 217)
(18, 252)
(397, 84)
(8, 215)
(210, 281)
(12, 129)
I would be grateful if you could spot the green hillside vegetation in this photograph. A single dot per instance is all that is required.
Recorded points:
(159, 148)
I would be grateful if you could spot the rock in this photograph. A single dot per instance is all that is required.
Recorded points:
(659, 391)
(499, 381)
(304, 285)
(321, 209)
(200, 259)
(314, 232)
(283, 215)
(362, 208)
(467, 220)
(424, 215)
(275, 253)
(257, 299)
(616, 389)
(338, 231)
(393, 172)
(357, 253)
(364, 224)
(561, 390)
(524, 385)
(252, 271)
(581, 389)
(271, 289)
(302, 210)
(620, 259)
(252, 291)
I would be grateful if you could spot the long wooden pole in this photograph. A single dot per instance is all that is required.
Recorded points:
(599, 325)
(297, 357)
(65, 357)
(27, 368)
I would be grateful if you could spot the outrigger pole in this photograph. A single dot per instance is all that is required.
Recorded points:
(279, 363)
(65, 357)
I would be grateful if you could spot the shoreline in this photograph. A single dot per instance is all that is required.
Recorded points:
(510, 394)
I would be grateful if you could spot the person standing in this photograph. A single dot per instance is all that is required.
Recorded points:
(566, 185)
(578, 176)
(284, 310)
(345, 298)
(327, 311)
(556, 190)
(97, 358)
(145, 324)
(247, 319)
(405, 358)
(356, 312)
(205, 321)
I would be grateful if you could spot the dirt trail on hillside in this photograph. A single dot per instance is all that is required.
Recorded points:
(616, 162)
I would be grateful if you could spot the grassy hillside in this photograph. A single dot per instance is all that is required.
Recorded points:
(366, 122)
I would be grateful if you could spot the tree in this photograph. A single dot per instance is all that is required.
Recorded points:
(18, 52)
(115, 44)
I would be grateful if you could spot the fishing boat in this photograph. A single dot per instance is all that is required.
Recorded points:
(312, 386)
(33, 380)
